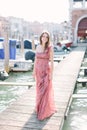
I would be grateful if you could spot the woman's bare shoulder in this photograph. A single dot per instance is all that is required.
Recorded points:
(39, 48)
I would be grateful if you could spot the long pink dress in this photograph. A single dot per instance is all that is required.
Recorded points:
(45, 106)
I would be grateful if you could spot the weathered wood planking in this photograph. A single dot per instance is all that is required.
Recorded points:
(83, 81)
(20, 115)
(79, 96)
(29, 84)
(18, 84)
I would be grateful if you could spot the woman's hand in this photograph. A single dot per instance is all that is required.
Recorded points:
(33, 73)
(50, 76)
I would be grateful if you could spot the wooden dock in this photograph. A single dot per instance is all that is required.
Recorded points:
(20, 115)
(29, 84)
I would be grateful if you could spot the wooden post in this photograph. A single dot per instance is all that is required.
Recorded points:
(6, 49)
(33, 44)
(5, 34)
(22, 47)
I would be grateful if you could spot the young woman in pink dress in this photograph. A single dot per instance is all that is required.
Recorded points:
(43, 73)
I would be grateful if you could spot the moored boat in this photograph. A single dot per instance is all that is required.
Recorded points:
(68, 43)
(21, 65)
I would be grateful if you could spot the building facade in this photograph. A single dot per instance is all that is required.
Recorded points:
(78, 21)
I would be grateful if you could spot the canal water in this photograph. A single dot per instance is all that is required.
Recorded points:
(77, 116)
(9, 94)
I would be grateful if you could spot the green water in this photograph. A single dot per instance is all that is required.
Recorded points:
(77, 117)
(10, 93)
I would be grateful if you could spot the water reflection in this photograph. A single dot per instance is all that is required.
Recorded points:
(77, 118)
(10, 93)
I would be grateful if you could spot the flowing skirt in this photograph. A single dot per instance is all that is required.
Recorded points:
(45, 106)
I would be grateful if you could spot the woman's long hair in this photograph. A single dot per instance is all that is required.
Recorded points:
(48, 42)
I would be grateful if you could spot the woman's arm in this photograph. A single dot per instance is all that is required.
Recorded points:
(34, 73)
(51, 62)
(34, 70)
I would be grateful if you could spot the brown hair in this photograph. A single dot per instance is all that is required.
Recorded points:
(48, 42)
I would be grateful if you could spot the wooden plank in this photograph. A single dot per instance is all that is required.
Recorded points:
(81, 80)
(18, 84)
(83, 67)
(79, 96)
(20, 60)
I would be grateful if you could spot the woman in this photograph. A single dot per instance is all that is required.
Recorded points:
(43, 72)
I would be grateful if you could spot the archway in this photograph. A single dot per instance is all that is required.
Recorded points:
(82, 31)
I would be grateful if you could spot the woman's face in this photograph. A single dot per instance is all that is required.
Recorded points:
(44, 38)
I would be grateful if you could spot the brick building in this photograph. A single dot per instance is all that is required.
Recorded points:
(78, 21)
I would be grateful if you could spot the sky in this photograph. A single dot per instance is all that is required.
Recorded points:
(36, 10)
